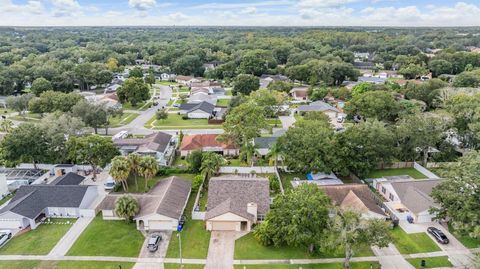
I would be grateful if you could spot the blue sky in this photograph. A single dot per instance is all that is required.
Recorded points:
(247, 12)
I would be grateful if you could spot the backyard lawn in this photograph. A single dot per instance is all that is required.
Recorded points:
(466, 240)
(115, 238)
(6, 198)
(396, 172)
(248, 248)
(223, 102)
(124, 119)
(39, 241)
(195, 238)
(64, 265)
(353, 265)
(413, 243)
(431, 262)
(288, 177)
(175, 121)
(140, 106)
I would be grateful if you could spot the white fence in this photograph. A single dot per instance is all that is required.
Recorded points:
(247, 170)
(425, 171)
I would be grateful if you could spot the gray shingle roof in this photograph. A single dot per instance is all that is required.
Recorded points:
(415, 194)
(68, 179)
(31, 200)
(203, 106)
(158, 141)
(232, 194)
(317, 106)
(264, 142)
(340, 196)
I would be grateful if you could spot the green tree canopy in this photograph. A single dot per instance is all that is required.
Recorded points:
(245, 84)
(41, 85)
(127, 207)
(379, 105)
(133, 90)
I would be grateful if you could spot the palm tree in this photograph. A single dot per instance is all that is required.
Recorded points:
(6, 126)
(211, 162)
(148, 168)
(134, 161)
(274, 154)
(248, 152)
(120, 171)
(126, 207)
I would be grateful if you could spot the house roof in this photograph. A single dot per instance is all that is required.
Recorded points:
(376, 80)
(356, 196)
(68, 179)
(199, 90)
(203, 106)
(317, 106)
(30, 200)
(168, 198)
(232, 194)
(264, 142)
(155, 142)
(202, 97)
(200, 141)
(299, 90)
(274, 77)
(185, 78)
(415, 194)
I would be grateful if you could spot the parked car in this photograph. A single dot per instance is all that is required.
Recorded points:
(109, 185)
(438, 235)
(5, 235)
(340, 119)
(153, 242)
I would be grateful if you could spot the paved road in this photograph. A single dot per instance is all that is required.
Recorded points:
(220, 250)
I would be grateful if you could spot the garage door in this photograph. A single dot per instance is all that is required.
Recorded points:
(160, 225)
(10, 224)
(224, 226)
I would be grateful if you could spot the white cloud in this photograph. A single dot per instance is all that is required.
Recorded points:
(177, 17)
(324, 3)
(142, 5)
(249, 10)
(33, 7)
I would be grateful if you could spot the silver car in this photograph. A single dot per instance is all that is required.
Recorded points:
(153, 242)
(5, 235)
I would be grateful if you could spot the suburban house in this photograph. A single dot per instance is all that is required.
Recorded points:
(357, 197)
(212, 65)
(32, 203)
(206, 142)
(235, 203)
(203, 110)
(263, 144)
(320, 106)
(319, 179)
(110, 101)
(161, 207)
(265, 80)
(372, 79)
(112, 88)
(209, 84)
(186, 80)
(198, 90)
(407, 197)
(160, 145)
(168, 76)
(299, 93)
(70, 178)
(202, 97)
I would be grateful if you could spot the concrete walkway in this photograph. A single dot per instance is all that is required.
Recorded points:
(70, 237)
(390, 258)
(220, 250)
(287, 121)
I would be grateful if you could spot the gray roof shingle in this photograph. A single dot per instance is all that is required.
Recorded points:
(68, 179)
(415, 194)
(317, 106)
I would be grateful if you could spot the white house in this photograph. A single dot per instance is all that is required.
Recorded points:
(203, 110)
(168, 77)
(161, 207)
(160, 145)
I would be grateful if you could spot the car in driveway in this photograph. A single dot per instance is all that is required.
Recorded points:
(5, 235)
(109, 184)
(153, 242)
(438, 235)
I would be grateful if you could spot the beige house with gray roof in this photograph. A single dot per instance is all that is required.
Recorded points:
(235, 203)
(160, 208)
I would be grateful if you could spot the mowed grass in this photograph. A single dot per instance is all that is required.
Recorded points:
(353, 265)
(466, 240)
(248, 248)
(288, 177)
(396, 172)
(115, 238)
(39, 241)
(223, 102)
(413, 243)
(175, 121)
(431, 262)
(64, 265)
(123, 119)
(195, 238)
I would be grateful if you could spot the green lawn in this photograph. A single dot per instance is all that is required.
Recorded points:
(431, 262)
(140, 106)
(64, 265)
(166, 83)
(195, 238)
(288, 177)
(413, 243)
(39, 241)
(466, 240)
(223, 102)
(228, 92)
(6, 198)
(115, 238)
(175, 121)
(185, 266)
(353, 265)
(396, 172)
(28, 117)
(248, 248)
(274, 122)
(124, 119)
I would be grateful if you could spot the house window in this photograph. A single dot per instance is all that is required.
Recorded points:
(260, 217)
(391, 197)
(384, 191)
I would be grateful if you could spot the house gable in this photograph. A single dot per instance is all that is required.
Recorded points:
(229, 216)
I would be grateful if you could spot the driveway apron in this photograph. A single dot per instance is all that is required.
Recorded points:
(220, 250)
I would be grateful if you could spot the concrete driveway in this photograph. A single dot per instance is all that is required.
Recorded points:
(390, 258)
(162, 248)
(220, 250)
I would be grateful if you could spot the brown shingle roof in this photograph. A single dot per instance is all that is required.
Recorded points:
(199, 141)
(168, 198)
(231, 194)
(185, 78)
(357, 196)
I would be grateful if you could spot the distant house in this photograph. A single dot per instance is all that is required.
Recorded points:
(112, 88)
(161, 208)
(200, 97)
(408, 197)
(265, 80)
(206, 142)
(209, 84)
(31, 204)
(160, 145)
(68, 179)
(357, 197)
(372, 79)
(110, 101)
(319, 179)
(299, 93)
(364, 65)
(218, 91)
(263, 144)
(212, 65)
(319, 106)
(236, 203)
(168, 76)
(203, 110)
(186, 80)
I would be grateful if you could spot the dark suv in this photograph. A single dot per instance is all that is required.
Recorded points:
(438, 235)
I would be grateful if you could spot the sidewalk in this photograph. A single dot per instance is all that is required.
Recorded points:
(70, 237)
